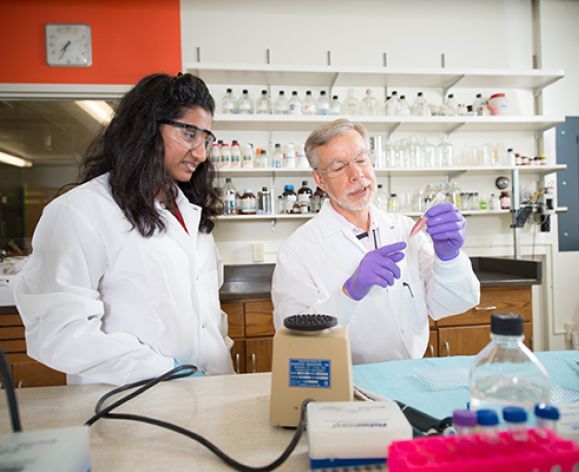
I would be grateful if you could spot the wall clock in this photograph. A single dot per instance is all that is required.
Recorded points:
(68, 45)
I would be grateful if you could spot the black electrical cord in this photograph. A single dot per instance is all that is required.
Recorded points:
(10, 396)
(175, 373)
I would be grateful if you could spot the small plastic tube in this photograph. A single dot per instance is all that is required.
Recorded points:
(464, 421)
(421, 221)
(516, 419)
(547, 416)
(488, 421)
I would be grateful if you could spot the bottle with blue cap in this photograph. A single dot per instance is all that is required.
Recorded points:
(488, 421)
(506, 372)
(516, 420)
(547, 416)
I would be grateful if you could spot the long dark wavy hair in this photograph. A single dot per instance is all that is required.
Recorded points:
(131, 149)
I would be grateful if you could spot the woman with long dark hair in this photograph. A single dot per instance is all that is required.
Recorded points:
(124, 275)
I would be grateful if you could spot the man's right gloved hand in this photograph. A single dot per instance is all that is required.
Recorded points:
(378, 267)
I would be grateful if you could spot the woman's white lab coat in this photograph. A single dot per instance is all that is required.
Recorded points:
(104, 304)
(389, 323)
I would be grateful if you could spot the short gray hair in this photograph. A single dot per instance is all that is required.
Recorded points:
(328, 131)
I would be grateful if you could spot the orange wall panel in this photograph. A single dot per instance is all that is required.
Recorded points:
(130, 39)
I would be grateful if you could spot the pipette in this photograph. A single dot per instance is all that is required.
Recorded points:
(421, 221)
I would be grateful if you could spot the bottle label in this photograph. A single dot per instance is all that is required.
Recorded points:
(304, 198)
(247, 205)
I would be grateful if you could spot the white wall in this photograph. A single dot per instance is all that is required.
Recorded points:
(470, 33)
(560, 43)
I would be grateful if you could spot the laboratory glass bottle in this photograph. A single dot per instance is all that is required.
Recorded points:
(229, 198)
(228, 102)
(393, 203)
(403, 107)
(281, 104)
(317, 200)
(264, 201)
(420, 106)
(225, 156)
(510, 157)
(335, 106)
(235, 154)
(309, 104)
(506, 372)
(392, 104)
(247, 203)
(295, 104)
(277, 157)
(263, 104)
(305, 197)
(245, 104)
(215, 155)
(479, 105)
(262, 159)
(464, 421)
(301, 159)
(381, 198)
(289, 158)
(323, 104)
(247, 156)
(369, 105)
(289, 198)
(450, 106)
(351, 104)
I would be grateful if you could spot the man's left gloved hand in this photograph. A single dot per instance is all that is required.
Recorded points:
(447, 228)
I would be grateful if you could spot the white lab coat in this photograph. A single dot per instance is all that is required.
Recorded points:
(104, 304)
(389, 323)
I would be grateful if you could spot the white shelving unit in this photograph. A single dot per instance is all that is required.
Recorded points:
(337, 76)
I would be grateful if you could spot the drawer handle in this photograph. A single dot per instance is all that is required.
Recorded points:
(447, 347)
(253, 363)
(431, 350)
(237, 356)
(20, 384)
(485, 308)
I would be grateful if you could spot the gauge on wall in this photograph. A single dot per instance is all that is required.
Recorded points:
(68, 45)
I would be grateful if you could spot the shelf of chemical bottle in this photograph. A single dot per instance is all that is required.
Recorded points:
(306, 216)
(388, 124)
(340, 76)
(270, 172)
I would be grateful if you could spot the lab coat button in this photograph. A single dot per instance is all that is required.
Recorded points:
(204, 325)
(403, 331)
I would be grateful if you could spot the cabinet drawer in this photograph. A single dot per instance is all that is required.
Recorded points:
(470, 340)
(432, 348)
(258, 354)
(10, 319)
(13, 332)
(12, 346)
(494, 300)
(35, 374)
(259, 318)
(234, 312)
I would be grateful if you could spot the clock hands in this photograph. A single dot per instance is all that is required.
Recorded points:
(64, 48)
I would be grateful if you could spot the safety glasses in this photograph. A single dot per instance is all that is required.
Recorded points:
(363, 159)
(190, 136)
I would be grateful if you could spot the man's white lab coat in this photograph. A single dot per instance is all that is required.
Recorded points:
(389, 323)
(104, 304)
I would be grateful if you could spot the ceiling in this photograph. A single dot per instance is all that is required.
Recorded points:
(46, 131)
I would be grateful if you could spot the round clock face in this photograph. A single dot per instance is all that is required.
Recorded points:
(68, 45)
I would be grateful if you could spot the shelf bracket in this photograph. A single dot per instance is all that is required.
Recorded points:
(453, 129)
(392, 130)
(334, 79)
(455, 174)
(539, 89)
(451, 84)
(273, 225)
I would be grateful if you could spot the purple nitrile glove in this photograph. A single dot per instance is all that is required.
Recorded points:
(447, 228)
(377, 267)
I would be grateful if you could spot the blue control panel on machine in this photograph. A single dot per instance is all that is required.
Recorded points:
(310, 373)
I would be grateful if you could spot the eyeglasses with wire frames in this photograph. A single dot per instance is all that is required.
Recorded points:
(190, 136)
(363, 159)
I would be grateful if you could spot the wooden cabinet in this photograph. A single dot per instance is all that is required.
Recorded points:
(468, 333)
(251, 328)
(25, 371)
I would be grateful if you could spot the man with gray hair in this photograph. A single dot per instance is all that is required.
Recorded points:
(362, 266)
